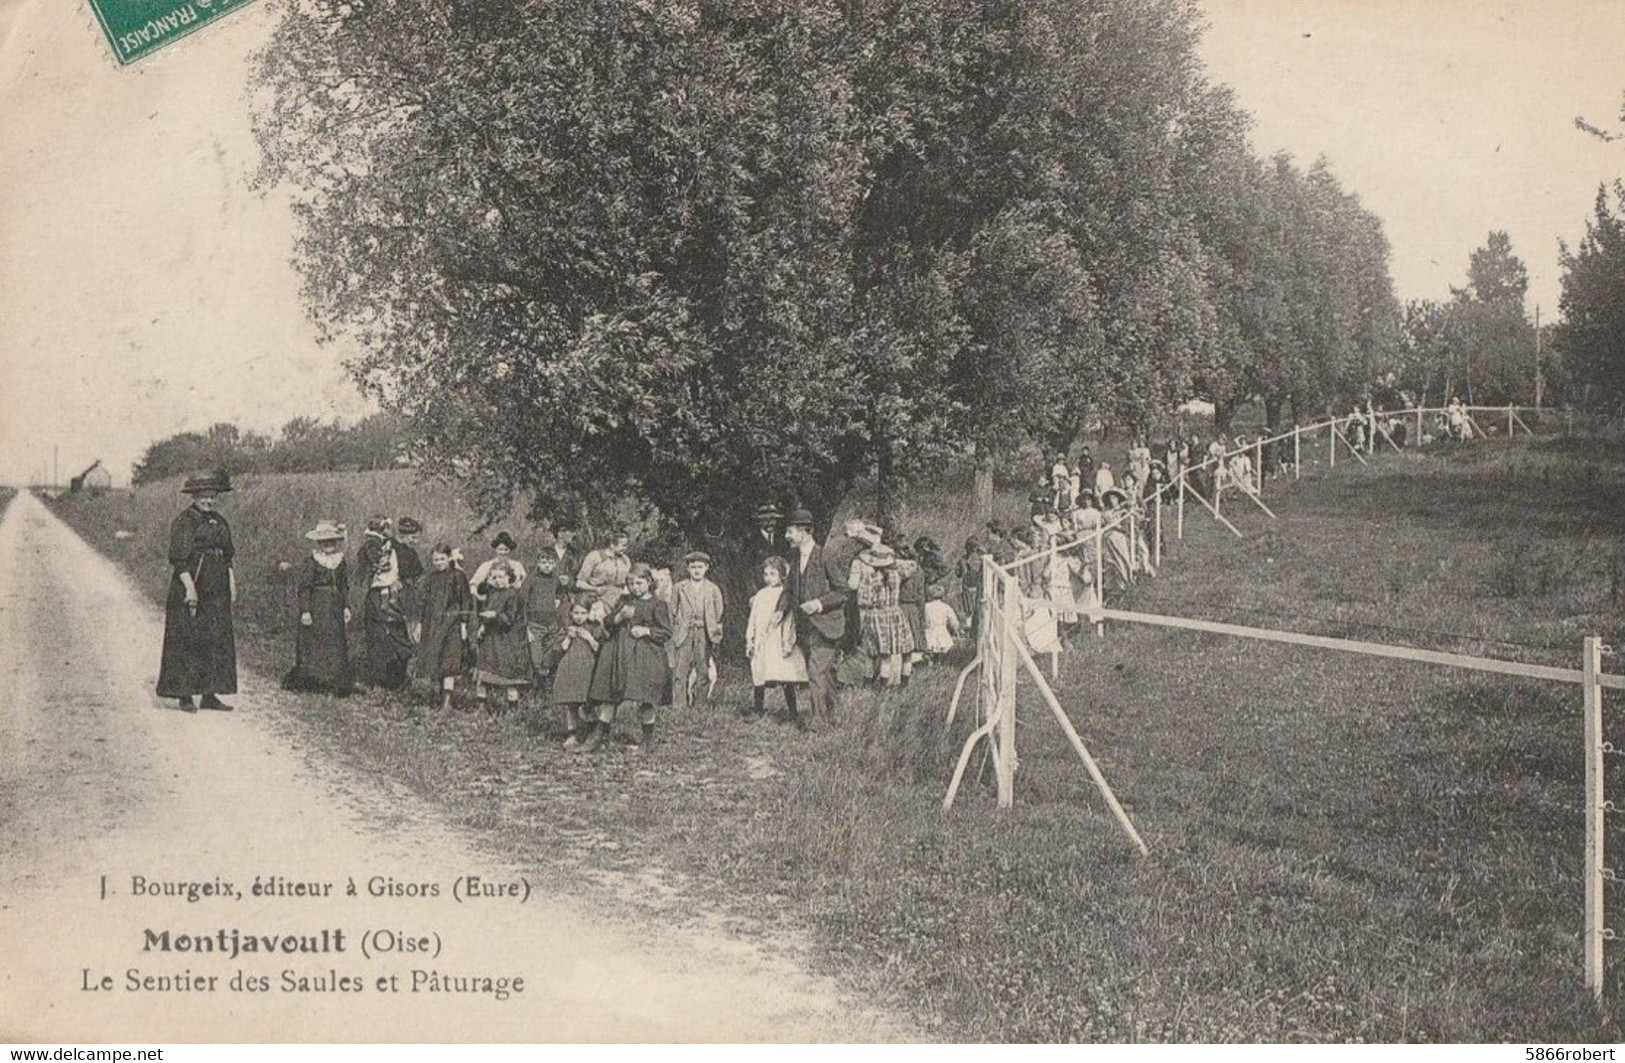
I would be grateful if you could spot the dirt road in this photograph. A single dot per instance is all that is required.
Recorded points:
(104, 787)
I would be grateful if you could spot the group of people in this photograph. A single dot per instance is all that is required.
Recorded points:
(601, 633)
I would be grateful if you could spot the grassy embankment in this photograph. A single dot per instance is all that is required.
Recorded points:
(1343, 848)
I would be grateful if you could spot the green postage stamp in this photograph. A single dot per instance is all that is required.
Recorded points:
(137, 28)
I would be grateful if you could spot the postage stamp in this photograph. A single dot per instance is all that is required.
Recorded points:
(137, 28)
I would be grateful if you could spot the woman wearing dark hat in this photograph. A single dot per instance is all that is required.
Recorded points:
(502, 548)
(388, 644)
(410, 565)
(200, 648)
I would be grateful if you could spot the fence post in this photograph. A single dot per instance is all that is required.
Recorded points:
(1297, 453)
(1006, 746)
(1419, 426)
(1156, 543)
(1100, 574)
(1179, 508)
(1509, 422)
(1133, 543)
(1258, 465)
(1595, 814)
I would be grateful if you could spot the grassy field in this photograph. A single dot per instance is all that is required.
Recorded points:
(1342, 848)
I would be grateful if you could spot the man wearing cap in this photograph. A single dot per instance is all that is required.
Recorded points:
(696, 626)
(818, 589)
(200, 647)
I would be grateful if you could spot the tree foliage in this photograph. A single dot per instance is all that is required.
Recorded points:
(712, 251)
(303, 445)
(1306, 311)
(1591, 336)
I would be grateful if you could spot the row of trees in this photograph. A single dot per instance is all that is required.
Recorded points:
(1592, 333)
(1480, 343)
(705, 252)
(1591, 336)
(302, 445)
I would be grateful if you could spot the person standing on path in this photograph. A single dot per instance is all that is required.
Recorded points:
(200, 647)
(388, 644)
(409, 565)
(819, 593)
(321, 657)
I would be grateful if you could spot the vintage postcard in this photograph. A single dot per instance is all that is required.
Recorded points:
(553, 522)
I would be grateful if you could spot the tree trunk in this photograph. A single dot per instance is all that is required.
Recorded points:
(984, 485)
(1223, 414)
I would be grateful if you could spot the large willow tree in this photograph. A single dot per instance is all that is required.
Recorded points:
(703, 253)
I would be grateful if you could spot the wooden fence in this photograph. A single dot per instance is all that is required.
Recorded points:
(1004, 650)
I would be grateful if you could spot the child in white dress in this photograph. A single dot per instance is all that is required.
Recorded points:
(770, 643)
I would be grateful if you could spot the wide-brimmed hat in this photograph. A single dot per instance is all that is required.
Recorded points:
(879, 556)
(868, 533)
(799, 518)
(217, 482)
(696, 555)
(1111, 493)
(408, 526)
(327, 531)
(769, 513)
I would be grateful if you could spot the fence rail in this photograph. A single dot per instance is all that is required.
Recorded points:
(1002, 643)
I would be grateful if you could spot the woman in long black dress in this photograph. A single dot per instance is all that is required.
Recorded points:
(387, 643)
(322, 648)
(200, 648)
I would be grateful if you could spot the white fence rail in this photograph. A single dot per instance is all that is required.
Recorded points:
(1003, 642)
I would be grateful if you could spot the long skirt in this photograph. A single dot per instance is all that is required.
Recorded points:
(321, 659)
(442, 653)
(200, 651)
(632, 669)
(504, 658)
(388, 644)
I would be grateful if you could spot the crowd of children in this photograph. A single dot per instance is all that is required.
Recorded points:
(598, 635)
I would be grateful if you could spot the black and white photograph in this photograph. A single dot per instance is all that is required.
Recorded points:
(812, 521)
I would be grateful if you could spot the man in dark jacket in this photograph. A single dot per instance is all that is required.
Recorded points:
(818, 588)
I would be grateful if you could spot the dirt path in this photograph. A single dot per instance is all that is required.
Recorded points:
(98, 778)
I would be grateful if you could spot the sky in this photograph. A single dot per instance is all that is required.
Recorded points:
(146, 289)
(1448, 118)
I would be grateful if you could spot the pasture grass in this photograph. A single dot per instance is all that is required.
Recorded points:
(1343, 848)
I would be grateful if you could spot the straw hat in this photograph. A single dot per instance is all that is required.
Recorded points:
(327, 531)
(879, 556)
(869, 533)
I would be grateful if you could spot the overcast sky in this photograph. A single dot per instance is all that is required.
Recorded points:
(144, 289)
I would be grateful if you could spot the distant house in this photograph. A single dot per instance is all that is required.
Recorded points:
(94, 480)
